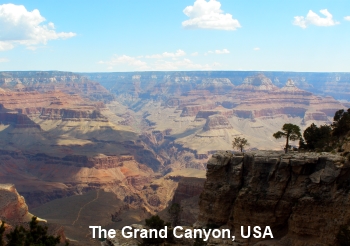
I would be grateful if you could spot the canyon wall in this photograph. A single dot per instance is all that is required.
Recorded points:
(303, 197)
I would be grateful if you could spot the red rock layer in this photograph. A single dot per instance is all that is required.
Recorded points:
(12, 206)
(49, 105)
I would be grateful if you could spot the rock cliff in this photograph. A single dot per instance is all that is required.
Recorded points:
(49, 105)
(12, 206)
(14, 211)
(217, 122)
(187, 195)
(303, 197)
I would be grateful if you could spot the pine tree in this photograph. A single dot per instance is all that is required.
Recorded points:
(35, 236)
(174, 212)
(290, 132)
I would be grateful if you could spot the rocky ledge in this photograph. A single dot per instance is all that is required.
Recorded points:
(14, 212)
(303, 197)
(12, 205)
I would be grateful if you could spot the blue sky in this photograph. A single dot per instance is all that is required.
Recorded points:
(115, 35)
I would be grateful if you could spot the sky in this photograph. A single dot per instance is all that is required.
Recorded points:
(175, 35)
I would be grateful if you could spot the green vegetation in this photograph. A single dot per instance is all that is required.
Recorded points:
(318, 137)
(290, 132)
(155, 222)
(327, 137)
(174, 212)
(199, 242)
(35, 236)
(341, 123)
(239, 143)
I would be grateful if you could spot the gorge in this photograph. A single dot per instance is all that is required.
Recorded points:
(141, 141)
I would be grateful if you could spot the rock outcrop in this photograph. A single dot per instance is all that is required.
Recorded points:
(13, 207)
(14, 212)
(215, 122)
(303, 197)
(192, 110)
(259, 82)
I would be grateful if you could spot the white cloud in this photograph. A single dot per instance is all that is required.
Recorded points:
(194, 54)
(125, 60)
(4, 60)
(347, 18)
(314, 19)
(224, 51)
(128, 63)
(178, 53)
(5, 46)
(19, 26)
(256, 48)
(208, 15)
(218, 52)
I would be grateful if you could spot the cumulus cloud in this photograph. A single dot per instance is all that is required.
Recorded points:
(125, 60)
(256, 48)
(208, 15)
(178, 53)
(347, 18)
(314, 19)
(20, 26)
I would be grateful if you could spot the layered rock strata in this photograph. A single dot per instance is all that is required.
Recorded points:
(66, 82)
(303, 197)
(51, 105)
(215, 122)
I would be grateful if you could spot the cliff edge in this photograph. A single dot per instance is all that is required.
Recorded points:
(303, 197)
(13, 206)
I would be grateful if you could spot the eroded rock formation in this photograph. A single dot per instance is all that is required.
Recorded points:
(303, 197)
(217, 122)
(12, 206)
(14, 212)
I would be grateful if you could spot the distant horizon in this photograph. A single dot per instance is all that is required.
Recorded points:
(188, 35)
(174, 71)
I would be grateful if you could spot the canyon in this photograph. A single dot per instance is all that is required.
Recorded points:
(141, 141)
